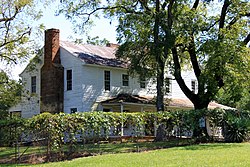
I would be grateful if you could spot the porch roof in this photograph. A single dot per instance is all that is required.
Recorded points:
(178, 103)
(127, 98)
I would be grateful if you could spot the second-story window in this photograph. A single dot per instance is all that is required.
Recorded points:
(168, 85)
(33, 84)
(125, 80)
(142, 82)
(73, 110)
(69, 79)
(193, 86)
(107, 80)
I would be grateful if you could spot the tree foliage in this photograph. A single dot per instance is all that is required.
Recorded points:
(236, 92)
(97, 41)
(209, 37)
(10, 93)
(16, 18)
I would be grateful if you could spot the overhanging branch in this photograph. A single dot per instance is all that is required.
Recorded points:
(196, 3)
(247, 39)
(178, 77)
(17, 39)
(128, 11)
(223, 13)
(192, 53)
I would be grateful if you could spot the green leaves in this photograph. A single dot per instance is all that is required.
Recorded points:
(10, 93)
(237, 126)
(15, 29)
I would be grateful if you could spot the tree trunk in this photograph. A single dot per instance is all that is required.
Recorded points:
(201, 132)
(199, 104)
(159, 60)
(160, 83)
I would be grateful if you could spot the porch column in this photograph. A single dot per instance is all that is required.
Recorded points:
(122, 119)
(155, 127)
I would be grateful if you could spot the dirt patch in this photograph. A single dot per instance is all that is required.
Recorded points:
(42, 158)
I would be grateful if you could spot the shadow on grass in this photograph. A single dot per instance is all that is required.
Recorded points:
(94, 149)
(133, 147)
(211, 146)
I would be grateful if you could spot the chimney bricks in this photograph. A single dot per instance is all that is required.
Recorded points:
(51, 47)
(52, 74)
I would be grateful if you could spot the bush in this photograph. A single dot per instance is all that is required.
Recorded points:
(55, 130)
(236, 126)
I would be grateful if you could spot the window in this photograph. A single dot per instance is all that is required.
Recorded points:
(73, 110)
(193, 86)
(125, 80)
(69, 79)
(142, 82)
(107, 80)
(33, 84)
(16, 114)
(106, 110)
(168, 85)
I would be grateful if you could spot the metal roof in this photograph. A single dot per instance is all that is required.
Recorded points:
(93, 54)
(172, 102)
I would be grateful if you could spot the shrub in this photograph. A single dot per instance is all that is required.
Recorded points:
(236, 126)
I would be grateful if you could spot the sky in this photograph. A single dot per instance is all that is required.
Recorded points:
(102, 28)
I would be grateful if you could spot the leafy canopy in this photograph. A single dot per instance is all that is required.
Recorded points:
(208, 37)
(10, 92)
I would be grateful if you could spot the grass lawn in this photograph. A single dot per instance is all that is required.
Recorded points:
(218, 154)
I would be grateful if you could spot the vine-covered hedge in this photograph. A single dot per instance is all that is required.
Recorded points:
(55, 130)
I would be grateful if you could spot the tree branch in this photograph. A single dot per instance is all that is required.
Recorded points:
(247, 39)
(178, 77)
(196, 3)
(192, 53)
(8, 58)
(17, 39)
(223, 13)
(232, 22)
(106, 8)
(6, 19)
(170, 16)
(144, 5)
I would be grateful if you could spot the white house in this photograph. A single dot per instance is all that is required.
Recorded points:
(73, 77)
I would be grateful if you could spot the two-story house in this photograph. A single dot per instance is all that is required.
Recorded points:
(79, 77)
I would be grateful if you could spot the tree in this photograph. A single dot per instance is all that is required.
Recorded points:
(97, 41)
(16, 18)
(192, 34)
(10, 93)
(135, 48)
(236, 93)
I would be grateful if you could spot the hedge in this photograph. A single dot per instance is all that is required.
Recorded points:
(55, 130)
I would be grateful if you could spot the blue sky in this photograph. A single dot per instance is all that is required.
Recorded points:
(103, 29)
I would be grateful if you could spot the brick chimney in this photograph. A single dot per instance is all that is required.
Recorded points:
(52, 74)
(51, 47)
(112, 45)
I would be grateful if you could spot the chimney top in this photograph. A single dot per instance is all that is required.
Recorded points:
(112, 45)
(51, 46)
(53, 29)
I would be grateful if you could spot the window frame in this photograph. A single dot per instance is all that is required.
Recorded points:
(73, 110)
(33, 84)
(125, 80)
(168, 82)
(143, 82)
(193, 86)
(69, 79)
(107, 80)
